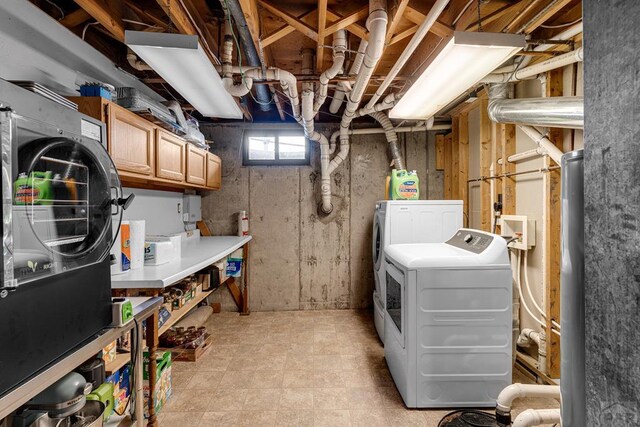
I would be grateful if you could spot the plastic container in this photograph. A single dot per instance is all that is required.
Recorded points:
(35, 189)
(405, 185)
(243, 223)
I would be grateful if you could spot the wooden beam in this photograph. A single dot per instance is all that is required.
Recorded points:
(201, 26)
(438, 28)
(347, 21)
(494, 16)
(463, 161)
(403, 35)
(290, 19)
(486, 209)
(179, 16)
(102, 13)
(75, 18)
(455, 159)
(448, 169)
(531, 4)
(322, 23)
(507, 137)
(543, 17)
(397, 17)
(131, 4)
(552, 237)
(440, 152)
(273, 37)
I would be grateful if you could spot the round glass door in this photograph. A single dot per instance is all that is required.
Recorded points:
(63, 208)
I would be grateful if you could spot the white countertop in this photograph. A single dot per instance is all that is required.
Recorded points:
(196, 255)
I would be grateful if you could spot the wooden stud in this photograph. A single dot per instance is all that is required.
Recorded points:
(440, 152)
(455, 159)
(245, 279)
(507, 136)
(75, 18)
(552, 237)
(545, 16)
(290, 19)
(347, 21)
(152, 343)
(447, 166)
(105, 16)
(438, 28)
(322, 23)
(397, 17)
(235, 292)
(486, 209)
(463, 161)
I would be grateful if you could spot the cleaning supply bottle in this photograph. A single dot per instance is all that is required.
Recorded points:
(405, 185)
(35, 189)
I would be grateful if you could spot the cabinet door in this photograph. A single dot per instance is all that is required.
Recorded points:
(170, 156)
(196, 165)
(131, 141)
(214, 171)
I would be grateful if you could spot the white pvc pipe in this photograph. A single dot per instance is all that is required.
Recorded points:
(542, 141)
(539, 68)
(526, 155)
(420, 34)
(517, 391)
(536, 417)
(344, 87)
(526, 285)
(522, 299)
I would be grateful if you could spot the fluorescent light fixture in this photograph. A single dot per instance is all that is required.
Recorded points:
(180, 60)
(462, 63)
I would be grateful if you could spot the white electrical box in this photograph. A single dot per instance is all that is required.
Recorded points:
(192, 211)
(521, 228)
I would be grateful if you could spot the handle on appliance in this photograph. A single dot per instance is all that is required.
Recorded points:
(124, 202)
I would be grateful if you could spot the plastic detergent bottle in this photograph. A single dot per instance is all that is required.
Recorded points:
(35, 189)
(405, 185)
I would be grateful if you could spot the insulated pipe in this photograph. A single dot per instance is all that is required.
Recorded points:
(344, 87)
(542, 67)
(263, 95)
(558, 112)
(392, 138)
(536, 417)
(516, 391)
(420, 34)
(339, 48)
(377, 26)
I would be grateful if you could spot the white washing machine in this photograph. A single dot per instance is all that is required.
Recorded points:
(408, 221)
(448, 320)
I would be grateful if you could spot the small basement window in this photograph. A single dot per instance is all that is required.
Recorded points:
(275, 148)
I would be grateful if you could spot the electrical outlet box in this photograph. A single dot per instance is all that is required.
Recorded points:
(521, 227)
(192, 208)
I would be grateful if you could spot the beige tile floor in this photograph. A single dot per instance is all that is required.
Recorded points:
(304, 368)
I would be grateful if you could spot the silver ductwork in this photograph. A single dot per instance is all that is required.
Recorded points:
(556, 112)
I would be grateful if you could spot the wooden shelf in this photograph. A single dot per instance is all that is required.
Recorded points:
(178, 314)
(120, 360)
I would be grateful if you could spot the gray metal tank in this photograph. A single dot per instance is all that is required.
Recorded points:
(572, 341)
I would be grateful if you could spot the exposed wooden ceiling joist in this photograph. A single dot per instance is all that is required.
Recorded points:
(178, 15)
(348, 20)
(75, 18)
(131, 4)
(252, 17)
(355, 29)
(290, 19)
(494, 16)
(531, 4)
(551, 9)
(322, 23)
(403, 35)
(397, 17)
(438, 28)
(102, 13)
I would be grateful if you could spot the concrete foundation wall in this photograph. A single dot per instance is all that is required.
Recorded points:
(612, 206)
(298, 260)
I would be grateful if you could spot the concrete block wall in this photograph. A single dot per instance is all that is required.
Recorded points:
(612, 212)
(300, 261)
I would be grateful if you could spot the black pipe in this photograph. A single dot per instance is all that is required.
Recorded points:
(263, 95)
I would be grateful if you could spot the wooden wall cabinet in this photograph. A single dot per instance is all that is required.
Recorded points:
(196, 165)
(170, 156)
(148, 156)
(214, 171)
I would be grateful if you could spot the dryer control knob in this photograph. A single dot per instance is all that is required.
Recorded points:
(468, 238)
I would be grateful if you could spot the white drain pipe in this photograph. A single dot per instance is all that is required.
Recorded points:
(536, 417)
(420, 34)
(339, 48)
(542, 67)
(517, 391)
(344, 87)
(543, 142)
(377, 26)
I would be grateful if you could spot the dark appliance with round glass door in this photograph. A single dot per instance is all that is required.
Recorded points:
(60, 192)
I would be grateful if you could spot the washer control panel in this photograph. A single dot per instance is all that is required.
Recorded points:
(471, 240)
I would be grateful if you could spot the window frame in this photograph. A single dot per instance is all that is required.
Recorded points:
(276, 133)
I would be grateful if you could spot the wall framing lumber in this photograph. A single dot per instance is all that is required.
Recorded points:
(486, 153)
(448, 166)
(455, 159)
(440, 152)
(463, 161)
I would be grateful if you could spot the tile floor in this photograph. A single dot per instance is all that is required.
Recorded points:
(304, 368)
